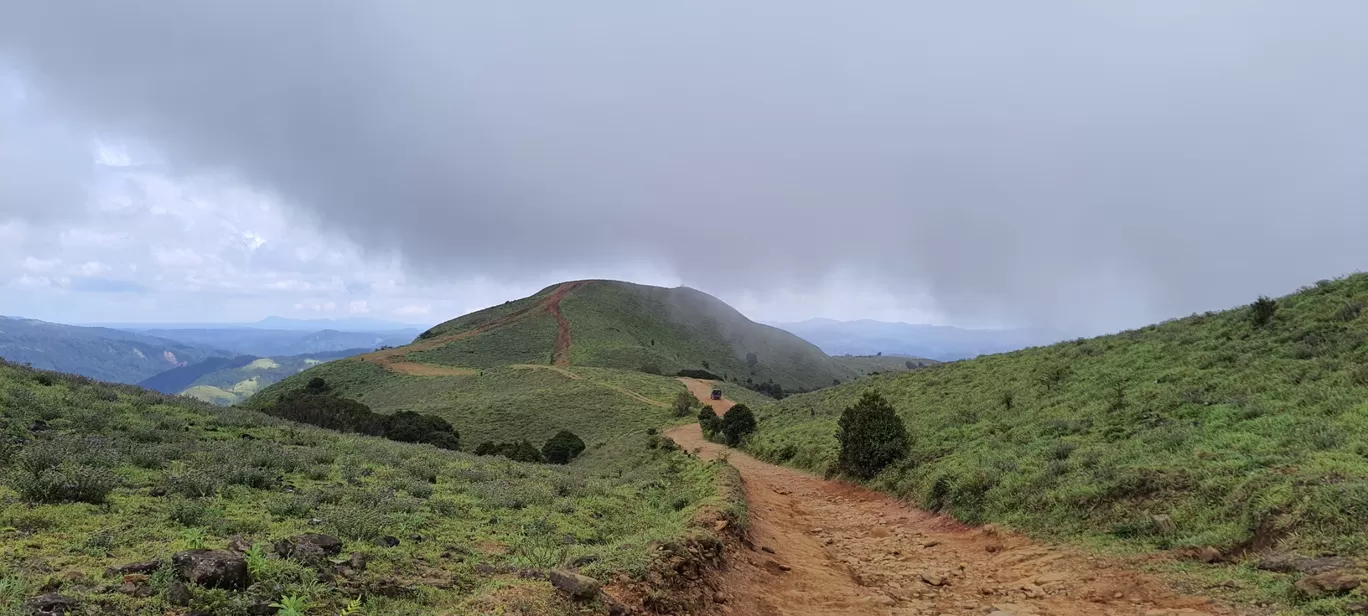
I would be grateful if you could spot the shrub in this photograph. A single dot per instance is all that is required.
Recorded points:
(871, 436)
(562, 448)
(193, 483)
(699, 374)
(518, 451)
(65, 483)
(709, 421)
(1261, 311)
(314, 406)
(683, 404)
(737, 424)
(769, 388)
(651, 368)
(188, 512)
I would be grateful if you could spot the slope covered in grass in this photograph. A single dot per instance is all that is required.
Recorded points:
(97, 475)
(1246, 436)
(632, 327)
(865, 365)
(604, 407)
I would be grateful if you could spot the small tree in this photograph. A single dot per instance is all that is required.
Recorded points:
(562, 448)
(737, 423)
(709, 421)
(683, 404)
(871, 435)
(316, 385)
(1262, 310)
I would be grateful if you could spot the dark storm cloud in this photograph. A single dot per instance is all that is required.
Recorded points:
(1060, 163)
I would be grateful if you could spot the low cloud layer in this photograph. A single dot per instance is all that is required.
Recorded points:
(1086, 165)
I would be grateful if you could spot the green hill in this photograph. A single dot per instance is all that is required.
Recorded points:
(632, 327)
(100, 476)
(96, 352)
(1248, 437)
(865, 365)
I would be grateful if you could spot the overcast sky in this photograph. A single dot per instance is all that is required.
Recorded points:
(1082, 165)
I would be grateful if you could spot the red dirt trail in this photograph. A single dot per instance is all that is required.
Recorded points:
(827, 548)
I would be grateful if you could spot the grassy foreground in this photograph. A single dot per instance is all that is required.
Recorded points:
(98, 475)
(1248, 438)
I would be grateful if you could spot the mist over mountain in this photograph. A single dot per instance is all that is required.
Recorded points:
(938, 342)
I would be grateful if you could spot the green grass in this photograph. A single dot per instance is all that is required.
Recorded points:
(529, 341)
(1234, 431)
(511, 403)
(636, 327)
(469, 511)
(864, 365)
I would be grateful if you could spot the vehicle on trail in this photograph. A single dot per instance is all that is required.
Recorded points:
(717, 393)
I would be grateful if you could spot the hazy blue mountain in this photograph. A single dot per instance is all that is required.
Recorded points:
(99, 353)
(278, 323)
(939, 342)
(222, 380)
(273, 342)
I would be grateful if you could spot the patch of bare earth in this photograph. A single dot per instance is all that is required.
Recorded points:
(828, 548)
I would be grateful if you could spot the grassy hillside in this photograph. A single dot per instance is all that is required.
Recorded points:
(96, 352)
(631, 327)
(98, 476)
(1246, 436)
(603, 406)
(229, 381)
(865, 365)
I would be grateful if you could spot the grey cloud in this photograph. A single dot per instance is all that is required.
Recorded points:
(1085, 165)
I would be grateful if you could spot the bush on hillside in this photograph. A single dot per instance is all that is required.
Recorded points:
(683, 404)
(562, 448)
(737, 424)
(709, 421)
(1262, 310)
(769, 388)
(518, 451)
(871, 436)
(334, 413)
(651, 368)
(698, 374)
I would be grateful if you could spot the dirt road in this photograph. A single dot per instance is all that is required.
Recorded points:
(827, 548)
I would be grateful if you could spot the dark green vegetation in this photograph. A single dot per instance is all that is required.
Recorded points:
(871, 436)
(865, 365)
(262, 342)
(731, 429)
(98, 476)
(316, 404)
(562, 448)
(643, 328)
(1247, 428)
(96, 352)
(518, 451)
(231, 380)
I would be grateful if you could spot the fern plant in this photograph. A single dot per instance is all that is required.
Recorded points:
(353, 608)
(292, 605)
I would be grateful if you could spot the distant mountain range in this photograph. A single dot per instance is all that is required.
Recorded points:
(225, 380)
(133, 355)
(97, 352)
(271, 342)
(939, 342)
(278, 323)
